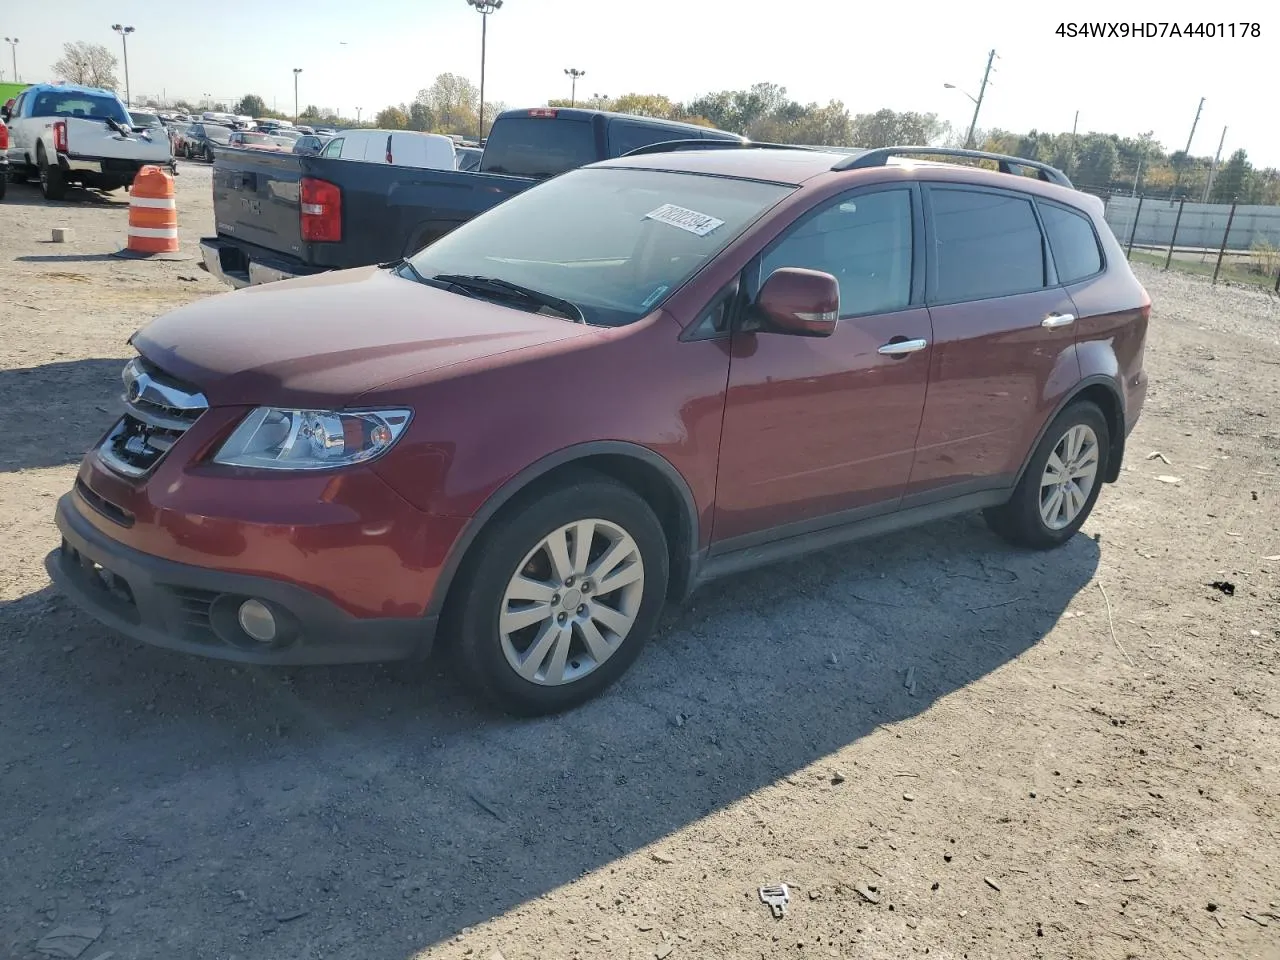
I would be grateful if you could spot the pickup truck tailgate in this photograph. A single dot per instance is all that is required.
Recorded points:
(255, 198)
(96, 140)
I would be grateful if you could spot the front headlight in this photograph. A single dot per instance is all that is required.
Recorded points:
(270, 438)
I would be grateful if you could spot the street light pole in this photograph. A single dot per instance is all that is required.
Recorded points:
(296, 71)
(13, 49)
(484, 8)
(124, 40)
(358, 116)
(574, 73)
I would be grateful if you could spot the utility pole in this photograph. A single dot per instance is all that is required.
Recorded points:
(574, 73)
(1186, 154)
(977, 104)
(124, 39)
(484, 8)
(1074, 124)
(1213, 168)
(296, 71)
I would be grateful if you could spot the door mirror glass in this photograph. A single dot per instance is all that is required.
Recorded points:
(799, 302)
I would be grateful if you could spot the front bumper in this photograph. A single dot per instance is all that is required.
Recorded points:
(237, 267)
(192, 609)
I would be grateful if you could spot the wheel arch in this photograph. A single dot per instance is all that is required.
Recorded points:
(1102, 391)
(648, 474)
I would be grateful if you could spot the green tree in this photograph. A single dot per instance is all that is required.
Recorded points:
(453, 102)
(887, 128)
(1232, 180)
(420, 116)
(250, 105)
(647, 105)
(392, 118)
(1096, 161)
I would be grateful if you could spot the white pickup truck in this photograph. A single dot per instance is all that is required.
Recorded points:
(65, 134)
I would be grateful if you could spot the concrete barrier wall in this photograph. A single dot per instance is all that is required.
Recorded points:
(1202, 224)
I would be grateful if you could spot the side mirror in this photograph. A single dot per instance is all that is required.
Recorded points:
(5, 114)
(799, 302)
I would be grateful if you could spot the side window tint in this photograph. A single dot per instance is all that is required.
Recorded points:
(1073, 242)
(864, 241)
(986, 245)
(625, 136)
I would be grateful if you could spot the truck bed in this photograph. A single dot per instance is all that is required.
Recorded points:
(388, 212)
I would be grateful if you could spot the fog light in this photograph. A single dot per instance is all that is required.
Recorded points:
(257, 620)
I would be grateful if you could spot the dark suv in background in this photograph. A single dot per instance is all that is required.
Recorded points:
(615, 386)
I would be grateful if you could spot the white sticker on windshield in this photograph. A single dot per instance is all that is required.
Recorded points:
(699, 224)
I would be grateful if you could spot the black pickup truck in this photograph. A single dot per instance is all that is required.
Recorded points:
(281, 215)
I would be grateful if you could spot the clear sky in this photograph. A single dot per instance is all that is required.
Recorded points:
(895, 55)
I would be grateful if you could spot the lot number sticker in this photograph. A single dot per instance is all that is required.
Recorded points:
(699, 224)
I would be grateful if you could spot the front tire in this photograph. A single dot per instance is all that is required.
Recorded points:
(1061, 483)
(558, 598)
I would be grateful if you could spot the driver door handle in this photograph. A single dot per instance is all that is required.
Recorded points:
(1055, 320)
(899, 348)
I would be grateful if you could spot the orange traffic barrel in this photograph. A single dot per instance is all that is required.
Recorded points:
(153, 216)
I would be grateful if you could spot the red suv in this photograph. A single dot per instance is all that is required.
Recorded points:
(635, 377)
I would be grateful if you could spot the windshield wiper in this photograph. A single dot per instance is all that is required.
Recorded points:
(497, 287)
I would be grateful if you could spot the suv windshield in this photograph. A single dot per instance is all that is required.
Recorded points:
(614, 242)
(69, 103)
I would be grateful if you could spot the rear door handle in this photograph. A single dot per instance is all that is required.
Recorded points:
(899, 348)
(1055, 320)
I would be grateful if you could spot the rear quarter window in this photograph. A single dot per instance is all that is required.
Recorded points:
(538, 147)
(627, 135)
(1073, 241)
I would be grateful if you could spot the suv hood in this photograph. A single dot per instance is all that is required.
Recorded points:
(322, 341)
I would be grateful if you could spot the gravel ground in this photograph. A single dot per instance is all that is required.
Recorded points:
(943, 745)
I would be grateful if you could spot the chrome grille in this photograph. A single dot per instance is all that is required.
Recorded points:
(158, 411)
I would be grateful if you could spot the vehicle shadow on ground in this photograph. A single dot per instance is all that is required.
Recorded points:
(378, 811)
(29, 195)
(54, 412)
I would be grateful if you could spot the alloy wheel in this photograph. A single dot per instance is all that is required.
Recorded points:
(1069, 476)
(571, 602)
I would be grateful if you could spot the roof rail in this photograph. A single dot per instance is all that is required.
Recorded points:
(671, 146)
(879, 156)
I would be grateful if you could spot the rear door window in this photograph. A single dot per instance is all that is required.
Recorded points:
(538, 147)
(985, 244)
(1075, 248)
(627, 135)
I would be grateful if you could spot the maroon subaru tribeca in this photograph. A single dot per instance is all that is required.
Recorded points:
(526, 438)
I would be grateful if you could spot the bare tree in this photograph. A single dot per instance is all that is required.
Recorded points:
(88, 64)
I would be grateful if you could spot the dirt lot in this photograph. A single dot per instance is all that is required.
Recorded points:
(962, 732)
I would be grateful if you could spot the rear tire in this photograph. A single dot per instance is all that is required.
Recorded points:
(52, 182)
(1057, 491)
(537, 635)
(4, 185)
